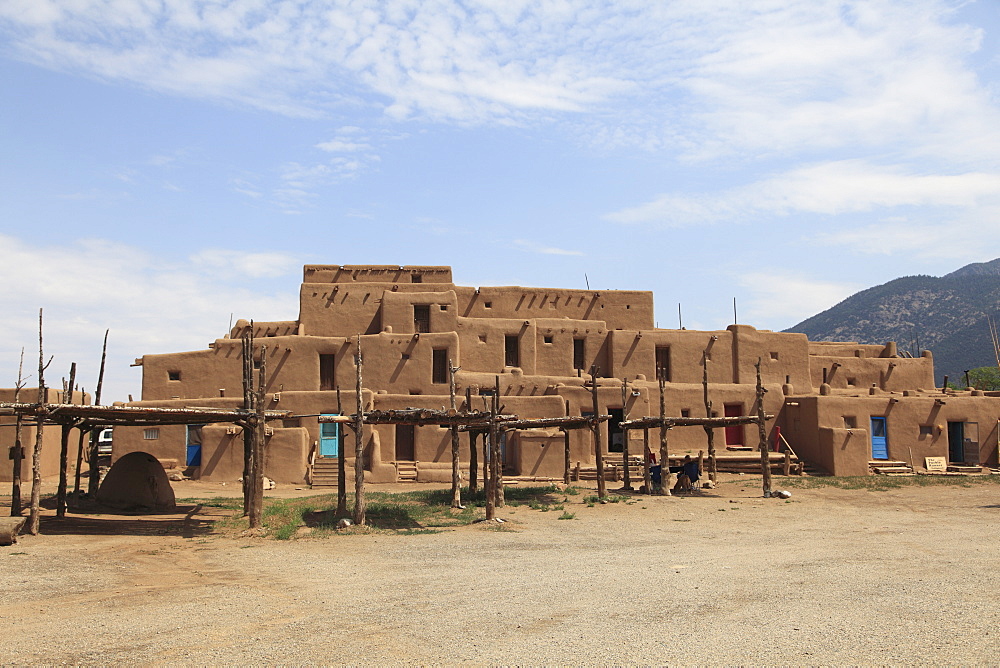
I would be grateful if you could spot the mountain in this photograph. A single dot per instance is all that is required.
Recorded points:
(946, 315)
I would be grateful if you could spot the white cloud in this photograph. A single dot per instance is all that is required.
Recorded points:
(832, 188)
(788, 298)
(533, 247)
(151, 303)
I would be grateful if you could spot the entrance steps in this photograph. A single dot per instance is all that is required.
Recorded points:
(325, 472)
(406, 471)
(889, 467)
(962, 468)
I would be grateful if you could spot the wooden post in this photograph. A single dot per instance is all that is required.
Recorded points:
(709, 432)
(625, 463)
(765, 462)
(566, 464)
(456, 473)
(359, 447)
(259, 435)
(489, 461)
(341, 463)
(497, 453)
(64, 447)
(84, 431)
(646, 480)
(15, 491)
(602, 487)
(248, 399)
(664, 454)
(93, 456)
(473, 454)
(787, 469)
(36, 456)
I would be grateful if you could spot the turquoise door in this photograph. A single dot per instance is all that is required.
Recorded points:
(193, 457)
(329, 439)
(880, 441)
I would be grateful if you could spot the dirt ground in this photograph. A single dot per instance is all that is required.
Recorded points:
(830, 576)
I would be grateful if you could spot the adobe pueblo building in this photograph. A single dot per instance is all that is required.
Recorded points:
(838, 405)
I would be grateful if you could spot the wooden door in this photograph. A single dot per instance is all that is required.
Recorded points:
(405, 451)
(734, 434)
(880, 438)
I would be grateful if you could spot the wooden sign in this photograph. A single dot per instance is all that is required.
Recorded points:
(936, 463)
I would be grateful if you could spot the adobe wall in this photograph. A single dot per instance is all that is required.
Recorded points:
(51, 435)
(861, 373)
(620, 309)
(375, 273)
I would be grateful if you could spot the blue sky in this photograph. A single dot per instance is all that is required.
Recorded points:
(168, 165)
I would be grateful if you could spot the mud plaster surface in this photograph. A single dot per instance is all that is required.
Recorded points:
(833, 577)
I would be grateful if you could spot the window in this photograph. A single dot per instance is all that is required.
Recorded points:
(850, 422)
(173, 375)
(511, 354)
(548, 339)
(416, 278)
(327, 377)
(852, 382)
(578, 354)
(444, 307)
(685, 412)
(439, 373)
(926, 430)
(663, 363)
(774, 356)
(421, 318)
(488, 305)
(151, 434)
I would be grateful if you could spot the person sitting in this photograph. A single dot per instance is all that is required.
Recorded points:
(687, 475)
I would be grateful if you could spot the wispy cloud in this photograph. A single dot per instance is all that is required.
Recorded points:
(532, 247)
(788, 298)
(152, 304)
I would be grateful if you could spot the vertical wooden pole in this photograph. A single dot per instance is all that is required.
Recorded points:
(93, 456)
(41, 412)
(64, 447)
(341, 463)
(15, 491)
(473, 451)
(765, 462)
(664, 454)
(359, 446)
(497, 453)
(646, 480)
(248, 407)
(456, 472)
(84, 432)
(489, 480)
(602, 486)
(259, 435)
(709, 432)
(566, 463)
(625, 453)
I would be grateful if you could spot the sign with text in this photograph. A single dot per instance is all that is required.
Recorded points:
(936, 463)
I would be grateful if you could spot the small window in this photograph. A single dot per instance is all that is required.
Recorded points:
(444, 307)
(482, 338)
(685, 412)
(173, 375)
(439, 372)
(416, 278)
(421, 318)
(926, 430)
(404, 356)
(151, 434)
(327, 376)
(579, 359)
(663, 363)
(548, 339)
(774, 355)
(511, 352)
(851, 382)
(488, 305)
(850, 422)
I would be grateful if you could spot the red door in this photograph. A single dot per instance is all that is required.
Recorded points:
(734, 434)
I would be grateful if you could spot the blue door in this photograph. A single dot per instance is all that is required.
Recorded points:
(193, 445)
(329, 439)
(880, 441)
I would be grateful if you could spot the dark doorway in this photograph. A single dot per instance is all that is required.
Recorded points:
(615, 433)
(956, 442)
(734, 433)
(404, 443)
(421, 318)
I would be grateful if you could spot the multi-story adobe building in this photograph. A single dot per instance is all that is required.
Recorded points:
(839, 405)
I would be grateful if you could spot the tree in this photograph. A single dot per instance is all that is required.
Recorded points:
(985, 378)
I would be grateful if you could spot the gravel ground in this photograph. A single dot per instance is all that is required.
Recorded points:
(832, 576)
